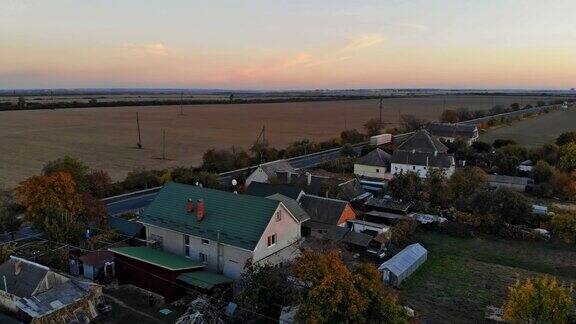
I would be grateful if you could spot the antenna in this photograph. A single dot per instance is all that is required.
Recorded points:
(139, 145)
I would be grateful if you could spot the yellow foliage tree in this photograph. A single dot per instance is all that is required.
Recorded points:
(56, 192)
(540, 300)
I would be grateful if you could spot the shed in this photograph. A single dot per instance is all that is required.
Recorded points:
(95, 262)
(403, 264)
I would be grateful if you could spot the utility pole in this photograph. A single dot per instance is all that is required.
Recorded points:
(163, 144)
(181, 103)
(139, 137)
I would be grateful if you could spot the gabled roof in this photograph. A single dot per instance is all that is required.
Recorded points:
(404, 260)
(323, 210)
(261, 189)
(124, 226)
(388, 204)
(239, 219)
(293, 206)
(25, 282)
(344, 235)
(300, 180)
(352, 190)
(440, 160)
(158, 258)
(452, 130)
(271, 168)
(377, 157)
(421, 141)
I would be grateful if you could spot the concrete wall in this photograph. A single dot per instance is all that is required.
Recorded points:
(369, 171)
(258, 175)
(232, 259)
(421, 170)
(287, 231)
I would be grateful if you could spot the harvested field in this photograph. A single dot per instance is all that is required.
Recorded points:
(105, 138)
(463, 276)
(536, 131)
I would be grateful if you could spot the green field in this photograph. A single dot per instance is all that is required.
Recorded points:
(463, 276)
(537, 130)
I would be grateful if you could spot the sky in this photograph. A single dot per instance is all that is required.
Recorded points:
(288, 44)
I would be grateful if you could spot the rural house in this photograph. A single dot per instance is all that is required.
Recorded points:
(421, 153)
(373, 165)
(326, 212)
(36, 294)
(221, 230)
(266, 171)
(450, 132)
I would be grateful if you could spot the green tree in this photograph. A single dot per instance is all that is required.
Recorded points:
(62, 227)
(540, 300)
(141, 179)
(511, 206)
(347, 150)
(465, 182)
(502, 142)
(515, 106)
(436, 189)
(264, 289)
(564, 225)
(406, 186)
(566, 138)
(352, 136)
(547, 152)
(372, 127)
(568, 157)
(542, 172)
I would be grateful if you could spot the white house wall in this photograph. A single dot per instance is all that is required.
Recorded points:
(369, 171)
(287, 232)
(421, 170)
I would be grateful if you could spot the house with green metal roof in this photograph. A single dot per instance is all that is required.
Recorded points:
(223, 231)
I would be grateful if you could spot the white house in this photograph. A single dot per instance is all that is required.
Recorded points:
(265, 171)
(373, 165)
(420, 153)
(222, 230)
(450, 132)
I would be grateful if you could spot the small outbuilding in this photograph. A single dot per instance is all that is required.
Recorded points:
(97, 264)
(403, 264)
(373, 165)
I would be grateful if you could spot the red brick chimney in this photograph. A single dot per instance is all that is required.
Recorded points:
(200, 210)
(189, 206)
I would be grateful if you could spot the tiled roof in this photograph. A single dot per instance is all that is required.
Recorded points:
(323, 210)
(157, 257)
(452, 130)
(421, 141)
(261, 189)
(377, 158)
(239, 219)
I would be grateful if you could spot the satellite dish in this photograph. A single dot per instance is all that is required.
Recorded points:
(197, 183)
(234, 182)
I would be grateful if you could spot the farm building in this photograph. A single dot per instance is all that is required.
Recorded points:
(265, 171)
(514, 183)
(373, 165)
(449, 132)
(403, 264)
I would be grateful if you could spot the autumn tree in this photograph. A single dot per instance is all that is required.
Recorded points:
(539, 300)
(566, 138)
(334, 294)
(352, 136)
(465, 182)
(449, 116)
(56, 191)
(406, 186)
(542, 172)
(62, 227)
(410, 123)
(264, 289)
(76, 168)
(373, 127)
(347, 150)
(436, 189)
(564, 225)
(568, 157)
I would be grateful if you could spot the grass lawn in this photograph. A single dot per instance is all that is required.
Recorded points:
(463, 276)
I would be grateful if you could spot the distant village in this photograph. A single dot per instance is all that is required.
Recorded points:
(330, 242)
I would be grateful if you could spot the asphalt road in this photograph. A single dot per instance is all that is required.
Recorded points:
(139, 200)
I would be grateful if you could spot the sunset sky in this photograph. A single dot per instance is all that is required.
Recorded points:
(283, 44)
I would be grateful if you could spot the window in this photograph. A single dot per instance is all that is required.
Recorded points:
(413, 167)
(187, 245)
(278, 216)
(271, 239)
(203, 257)
(205, 242)
(377, 170)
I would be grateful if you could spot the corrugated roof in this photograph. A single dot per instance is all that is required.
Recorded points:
(376, 157)
(422, 141)
(157, 257)
(240, 219)
(323, 210)
(124, 226)
(509, 179)
(204, 279)
(452, 130)
(261, 189)
(402, 261)
(293, 206)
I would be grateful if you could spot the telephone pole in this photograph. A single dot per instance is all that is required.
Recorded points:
(139, 137)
